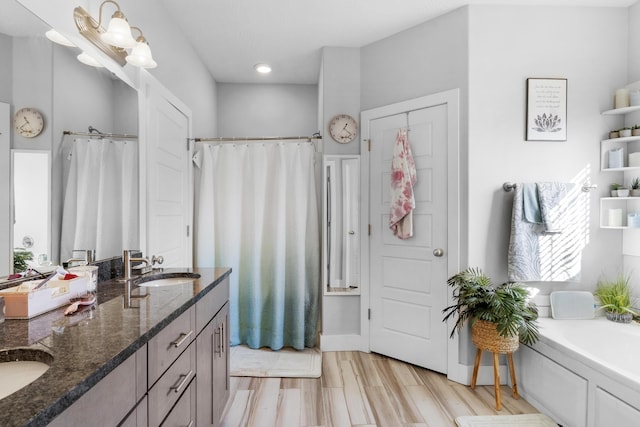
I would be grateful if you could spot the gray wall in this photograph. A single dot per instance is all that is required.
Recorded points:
(266, 110)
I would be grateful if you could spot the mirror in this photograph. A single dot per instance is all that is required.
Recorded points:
(37, 73)
(341, 229)
(31, 207)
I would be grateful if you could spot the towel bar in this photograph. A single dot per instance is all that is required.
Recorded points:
(586, 187)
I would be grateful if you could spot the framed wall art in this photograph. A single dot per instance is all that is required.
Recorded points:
(546, 109)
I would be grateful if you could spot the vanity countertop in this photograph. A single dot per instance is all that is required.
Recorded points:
(90, 344)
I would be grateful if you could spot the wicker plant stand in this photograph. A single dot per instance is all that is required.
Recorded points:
(486, 338)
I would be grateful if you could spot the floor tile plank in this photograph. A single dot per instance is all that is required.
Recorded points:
(362, 390)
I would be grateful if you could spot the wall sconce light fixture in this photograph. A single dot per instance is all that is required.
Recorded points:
(116, 39)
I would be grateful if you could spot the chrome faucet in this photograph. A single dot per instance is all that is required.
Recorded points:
(88, 257)
(128, 260)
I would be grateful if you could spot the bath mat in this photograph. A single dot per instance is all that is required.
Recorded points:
(525, 420)
(285, 363)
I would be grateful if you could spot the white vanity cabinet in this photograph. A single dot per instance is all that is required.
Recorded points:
(212, 347)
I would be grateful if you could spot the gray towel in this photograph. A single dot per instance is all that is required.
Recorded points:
(534, 254)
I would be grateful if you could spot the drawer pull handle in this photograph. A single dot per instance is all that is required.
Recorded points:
(182, 339)
(181, 382)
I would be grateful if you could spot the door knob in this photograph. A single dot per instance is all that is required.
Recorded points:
(438, 252)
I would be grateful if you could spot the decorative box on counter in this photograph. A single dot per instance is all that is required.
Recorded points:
(23, 302)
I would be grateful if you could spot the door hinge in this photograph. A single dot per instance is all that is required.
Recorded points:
(369, 144)
(369, 314)
(187, 231)
(188, 144)
(369, 229)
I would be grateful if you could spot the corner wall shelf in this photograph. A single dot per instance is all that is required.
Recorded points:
(621, 111)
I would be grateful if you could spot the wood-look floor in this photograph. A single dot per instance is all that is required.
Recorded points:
(360, 389)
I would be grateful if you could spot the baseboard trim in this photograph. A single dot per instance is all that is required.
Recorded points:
(342, 343)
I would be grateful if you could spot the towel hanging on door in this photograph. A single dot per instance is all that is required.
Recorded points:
(403, 178)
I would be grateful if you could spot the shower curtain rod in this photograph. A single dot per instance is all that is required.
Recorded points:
(315, 136)
(93, 132)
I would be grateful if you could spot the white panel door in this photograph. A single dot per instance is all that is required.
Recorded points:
(169, 197)
(408, 279)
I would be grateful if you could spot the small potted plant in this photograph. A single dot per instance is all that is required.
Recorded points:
(623, 191)
(635, 130)
(635, 187)
(615, 298)
(503, 309)
(614, 134)
(614, 189)
(624, 132)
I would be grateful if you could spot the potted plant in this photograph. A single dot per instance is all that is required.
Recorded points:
(502, 309)
(635, 130)
(614, 189)
(623, 191)
(624, 132)
(615, 298)
(20, 258)
(614, 134)
(635, 187)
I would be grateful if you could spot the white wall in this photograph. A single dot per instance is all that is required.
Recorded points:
(266, 110)
(507, 45)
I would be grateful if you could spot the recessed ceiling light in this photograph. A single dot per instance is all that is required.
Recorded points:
(263, 68)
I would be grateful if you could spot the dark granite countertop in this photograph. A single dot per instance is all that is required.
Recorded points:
(90, 344)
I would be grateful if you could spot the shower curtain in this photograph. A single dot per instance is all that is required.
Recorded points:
(257, 213)
(100, 209)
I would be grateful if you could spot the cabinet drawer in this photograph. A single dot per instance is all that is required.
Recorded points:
(211, 303)
(165, 347)
(183, 414)
(171, 386)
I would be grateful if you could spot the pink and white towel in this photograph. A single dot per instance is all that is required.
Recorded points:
(403, 178)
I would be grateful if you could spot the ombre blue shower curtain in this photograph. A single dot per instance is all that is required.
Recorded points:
(257, 213)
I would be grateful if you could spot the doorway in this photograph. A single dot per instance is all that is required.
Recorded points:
(407, 278)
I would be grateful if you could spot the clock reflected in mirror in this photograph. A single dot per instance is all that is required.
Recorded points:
(343, 128)
(28, 122)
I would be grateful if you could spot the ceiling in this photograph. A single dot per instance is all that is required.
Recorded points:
(231, 36)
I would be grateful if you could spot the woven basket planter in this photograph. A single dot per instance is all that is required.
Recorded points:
(486, 337)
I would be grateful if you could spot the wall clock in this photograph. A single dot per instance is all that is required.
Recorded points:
(343, 128)
(28, 122)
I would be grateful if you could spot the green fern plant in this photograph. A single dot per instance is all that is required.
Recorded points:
(20, 258)
(615, 296)
(506, 305)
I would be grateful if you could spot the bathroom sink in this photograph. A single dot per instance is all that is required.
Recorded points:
(20, 367)
(172, 280)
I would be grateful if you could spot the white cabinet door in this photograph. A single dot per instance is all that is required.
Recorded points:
(611, 411)
(556, 388)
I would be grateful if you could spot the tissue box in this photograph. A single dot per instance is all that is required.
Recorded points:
(633, 219)
(22, 302)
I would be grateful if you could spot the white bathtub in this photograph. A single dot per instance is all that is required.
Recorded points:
(584, 372)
